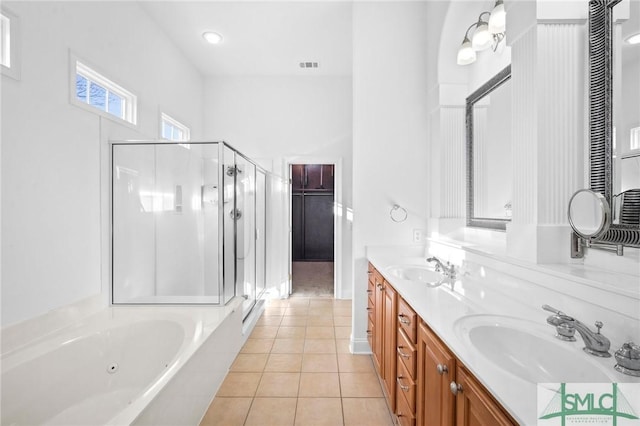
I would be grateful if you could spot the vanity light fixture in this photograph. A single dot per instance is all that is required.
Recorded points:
(487, 33)
(212, 37)
(633, 39)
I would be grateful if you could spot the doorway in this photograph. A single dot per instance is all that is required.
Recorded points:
(312, 230)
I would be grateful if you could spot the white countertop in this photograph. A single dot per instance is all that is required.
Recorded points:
(446, 311)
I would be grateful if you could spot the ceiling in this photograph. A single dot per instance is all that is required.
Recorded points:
(260, 38)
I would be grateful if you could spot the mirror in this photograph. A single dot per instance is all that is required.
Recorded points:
(614, 116)
(488, 131)
(589, 214)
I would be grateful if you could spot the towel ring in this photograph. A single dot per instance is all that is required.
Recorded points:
(398, 214)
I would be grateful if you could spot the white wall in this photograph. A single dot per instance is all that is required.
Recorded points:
(390, 139)
(55, 170)
(283, 118)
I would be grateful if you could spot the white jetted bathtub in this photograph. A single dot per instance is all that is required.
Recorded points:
(121, 366)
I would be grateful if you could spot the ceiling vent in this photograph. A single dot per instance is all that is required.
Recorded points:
(309, 65)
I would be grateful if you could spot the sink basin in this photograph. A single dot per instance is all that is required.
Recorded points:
(528, 350)
(422, 274)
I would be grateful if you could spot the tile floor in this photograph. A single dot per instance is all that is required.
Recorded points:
(296, 369)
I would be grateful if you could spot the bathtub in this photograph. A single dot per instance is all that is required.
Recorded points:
(123, 366)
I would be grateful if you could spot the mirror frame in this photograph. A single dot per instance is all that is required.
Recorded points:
(485, 89)
(601, 116)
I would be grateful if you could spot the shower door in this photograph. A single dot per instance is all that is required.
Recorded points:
(246, 232)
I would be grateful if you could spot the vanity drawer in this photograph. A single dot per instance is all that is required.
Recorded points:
(407, 320)
(405, 415)
(370, 305)
(406, 386)
(407, 353)
(370, 331)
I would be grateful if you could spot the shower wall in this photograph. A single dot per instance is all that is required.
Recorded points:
(165, 224)
(188, 228)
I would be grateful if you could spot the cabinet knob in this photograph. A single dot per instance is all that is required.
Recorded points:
(369, 272)
(442, 368)
(455, 388)
(369, 291)
(379, 286)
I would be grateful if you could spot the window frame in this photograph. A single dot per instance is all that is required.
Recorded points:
(186, 131)
(78, 66)
(13, 44)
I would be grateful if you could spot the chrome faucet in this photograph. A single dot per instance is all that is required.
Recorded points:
(594, 342)
(448, 270)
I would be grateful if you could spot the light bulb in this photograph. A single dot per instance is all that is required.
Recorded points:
(481, 39)
(466, 54)
(498, 18)
(211, 37)
(634, 39)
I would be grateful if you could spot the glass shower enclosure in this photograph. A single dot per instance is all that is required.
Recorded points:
(188, 224)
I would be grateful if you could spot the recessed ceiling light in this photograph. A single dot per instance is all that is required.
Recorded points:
(211, 37)
(633, 39)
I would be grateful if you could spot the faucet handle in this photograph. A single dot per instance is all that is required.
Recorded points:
(599, 325)
(551, 309)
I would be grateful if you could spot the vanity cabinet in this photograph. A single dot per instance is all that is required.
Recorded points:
(425, 384)
(474, 405)
(436, 370)
(381, 315)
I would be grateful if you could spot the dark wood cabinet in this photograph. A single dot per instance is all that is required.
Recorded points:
(474, 405)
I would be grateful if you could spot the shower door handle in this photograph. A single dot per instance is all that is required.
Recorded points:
(235, 214)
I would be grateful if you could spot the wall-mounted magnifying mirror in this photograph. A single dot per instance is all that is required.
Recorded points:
(589, 214)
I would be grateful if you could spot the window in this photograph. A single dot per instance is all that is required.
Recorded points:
(173, 130)
(97, 91)
(9, 44)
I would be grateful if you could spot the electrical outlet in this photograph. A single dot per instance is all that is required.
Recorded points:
(418, 236)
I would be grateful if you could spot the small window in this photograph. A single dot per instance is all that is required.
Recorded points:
(9, 44)
(173, 130)
(97, 91)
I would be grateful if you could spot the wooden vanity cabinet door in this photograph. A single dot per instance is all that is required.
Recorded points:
(389, 356)
(377, 336)
(474, 405)
(435, 402)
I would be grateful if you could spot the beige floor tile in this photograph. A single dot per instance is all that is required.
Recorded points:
(264, 332)
(288, 346)
(366, 412)
(282, 303)
(272, 412)
(257, 346)
(342, 346)
(269, 320)
(320, 320)
(249, 362)
(299, 302)
(342, 321)
(291, 363)
(294, 321)
(319, 363)
(364, 385)
(322, 311)
(239, 384)
(343, 332)
(342, 312)
(227, 412)
(348, 363)
(278, 384)
(319, 412)
(319, 385)
(320, 346)
(320, 332)
(291, 333)
(274, 311)
(342, 303)
(296, 311)
(325, 303)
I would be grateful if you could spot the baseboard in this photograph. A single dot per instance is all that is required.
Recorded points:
(359, 346)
